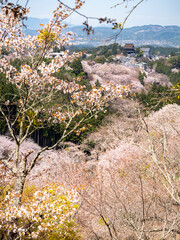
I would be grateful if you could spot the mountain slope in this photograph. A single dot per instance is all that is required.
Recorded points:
(139, 35)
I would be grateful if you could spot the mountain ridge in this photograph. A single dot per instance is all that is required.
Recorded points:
(139, 35)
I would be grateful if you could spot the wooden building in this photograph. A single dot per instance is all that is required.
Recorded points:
(129, 48)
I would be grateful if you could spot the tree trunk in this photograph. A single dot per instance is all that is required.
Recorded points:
(19, 185)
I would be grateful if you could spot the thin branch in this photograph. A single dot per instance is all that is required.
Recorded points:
(74, 10)
(124, 22)
(26, 3)
(142, 197)
(12, 131)
(7, 164)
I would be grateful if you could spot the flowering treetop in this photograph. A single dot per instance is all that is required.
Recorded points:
(45, 211)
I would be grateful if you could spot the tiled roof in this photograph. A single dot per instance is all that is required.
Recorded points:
(129, 46)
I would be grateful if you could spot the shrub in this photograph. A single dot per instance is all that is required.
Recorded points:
(100, 60)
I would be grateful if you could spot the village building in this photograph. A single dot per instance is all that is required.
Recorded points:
(144, 66)
(129, 48)
(146, 52)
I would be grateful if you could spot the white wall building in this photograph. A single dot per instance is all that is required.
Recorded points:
(146, 52)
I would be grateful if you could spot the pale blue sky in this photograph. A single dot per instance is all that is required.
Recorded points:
(162, 12)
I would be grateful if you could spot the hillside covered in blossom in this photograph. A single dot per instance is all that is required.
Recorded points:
(121, 138)
(89, 138)
(111, 163)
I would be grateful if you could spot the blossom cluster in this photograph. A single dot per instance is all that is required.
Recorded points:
(47, 210)
(10, 27)
(86, 103)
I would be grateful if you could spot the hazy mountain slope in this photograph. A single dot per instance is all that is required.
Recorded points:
(169, 34)
(164, 35)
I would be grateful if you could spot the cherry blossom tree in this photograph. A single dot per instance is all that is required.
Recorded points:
(44, 214)
(36, 88)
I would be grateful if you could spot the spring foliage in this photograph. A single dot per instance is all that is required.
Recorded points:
(44, 214)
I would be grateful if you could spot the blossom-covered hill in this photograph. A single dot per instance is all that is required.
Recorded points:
(133, 162)
(118, 141)
(113, 73)
(121, 74)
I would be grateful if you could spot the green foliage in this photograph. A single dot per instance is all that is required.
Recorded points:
(150, 63)
(57, 49)
(107, 55)
(176, 89)
(157, 97)
(91, 144)
(105, 51)
(91, 126)
(49, 135)
(62, 74)
(172, 54)
(124, 53)
(98, 84)
(100, 60)
(175, 78)
(7, 93)
(47, 60)
(162, 67)
(175, 61)
(139, 52)
(3, 126)
(141, 77)
(85, 81)
(76, 67)
(16, 63)
(110, 59)
(7, 90)
(83, 56)
(93, 56)
(68, 75)
(4, 51)
(114, 49)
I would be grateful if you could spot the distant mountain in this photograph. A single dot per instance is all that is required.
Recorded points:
(34, 23)
(30, 32)
(139, 35)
